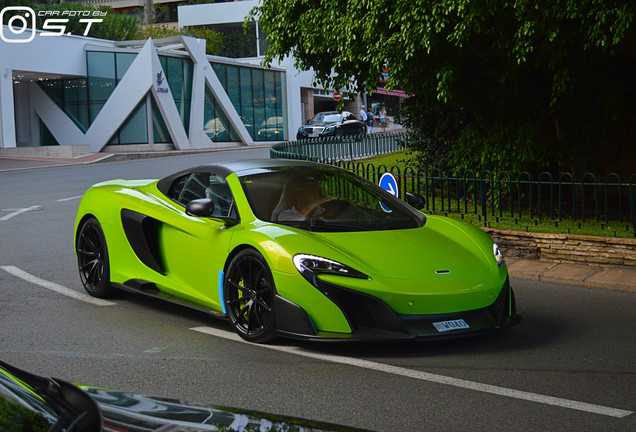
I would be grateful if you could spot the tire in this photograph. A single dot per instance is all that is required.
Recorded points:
(249, 293)
(92, 259)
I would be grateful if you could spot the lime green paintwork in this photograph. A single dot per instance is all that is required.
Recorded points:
(401, 264)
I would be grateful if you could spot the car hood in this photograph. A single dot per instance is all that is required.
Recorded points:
(442, 245)
(321, 124)
(128, 411)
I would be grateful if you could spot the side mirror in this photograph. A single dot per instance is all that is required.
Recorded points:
(415, 200)
(203, 207)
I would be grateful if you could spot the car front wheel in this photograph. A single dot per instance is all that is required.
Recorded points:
(249, 294)
(92, 259)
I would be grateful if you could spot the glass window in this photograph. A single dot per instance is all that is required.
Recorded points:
(179, 76)
(233, 87)
(200, 185)
(325, 199)
(259, 103)
(216, 124)
(270, 125)
(46, 137)
(101, 79)
(54, 89)
(174, 74)
(76, 102)
(188, 68)
(159, 128)
(281, 105)
(221, 73)
(164, 62)
(123, 62)
(135, 128)
(247, 101)
(100, 64)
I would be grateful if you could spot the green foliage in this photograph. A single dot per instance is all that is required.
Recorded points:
(157, 31)
(15, 417)
(513, 84)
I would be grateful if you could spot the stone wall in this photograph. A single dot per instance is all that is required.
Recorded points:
(566, 247)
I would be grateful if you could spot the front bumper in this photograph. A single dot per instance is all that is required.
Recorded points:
(372, 319)
(323, 132)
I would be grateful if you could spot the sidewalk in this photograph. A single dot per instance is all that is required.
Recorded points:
(17, 163)
(588, 276)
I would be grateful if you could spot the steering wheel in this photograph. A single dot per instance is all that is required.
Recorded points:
(310, 211)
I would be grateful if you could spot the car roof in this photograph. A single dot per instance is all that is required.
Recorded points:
(239, 167)
(248, 165)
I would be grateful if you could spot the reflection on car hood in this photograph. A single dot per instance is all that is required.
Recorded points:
(320, 124)
(407, 254)
(131, 412)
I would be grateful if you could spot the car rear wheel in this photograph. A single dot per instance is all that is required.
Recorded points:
(249, 296)
(92, 259)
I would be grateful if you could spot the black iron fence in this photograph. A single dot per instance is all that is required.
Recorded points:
(588, 204)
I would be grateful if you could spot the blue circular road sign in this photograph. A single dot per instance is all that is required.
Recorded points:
(389, 183)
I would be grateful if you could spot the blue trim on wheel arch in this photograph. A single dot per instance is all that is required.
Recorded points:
(221, 297)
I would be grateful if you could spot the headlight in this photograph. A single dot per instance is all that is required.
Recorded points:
(310, 266)
(498, 255)
(330, 128)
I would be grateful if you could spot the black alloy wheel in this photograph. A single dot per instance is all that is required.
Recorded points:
(92, 259)
(249, 294)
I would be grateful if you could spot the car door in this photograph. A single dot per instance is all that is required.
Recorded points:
(194, 249)
(349, 124)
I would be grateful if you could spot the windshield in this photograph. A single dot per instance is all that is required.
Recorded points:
(325, 199)
(326, 118)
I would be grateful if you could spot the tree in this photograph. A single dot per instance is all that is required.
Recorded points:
(495, 84)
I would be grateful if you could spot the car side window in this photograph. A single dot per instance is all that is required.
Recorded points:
(204, 185)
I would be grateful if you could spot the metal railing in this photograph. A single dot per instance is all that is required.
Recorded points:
(337, 148)
(589, 204)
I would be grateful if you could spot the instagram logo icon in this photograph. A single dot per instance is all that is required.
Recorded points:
(18, 24)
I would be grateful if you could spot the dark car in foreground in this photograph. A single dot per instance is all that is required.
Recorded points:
(331, 123)
(30, 402)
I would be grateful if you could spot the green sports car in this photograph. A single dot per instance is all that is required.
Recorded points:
(292, 248)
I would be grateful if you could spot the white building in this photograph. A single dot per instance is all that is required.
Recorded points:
(82, 93)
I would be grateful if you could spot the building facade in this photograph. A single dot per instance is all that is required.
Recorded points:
(305, 99)
(167, 93)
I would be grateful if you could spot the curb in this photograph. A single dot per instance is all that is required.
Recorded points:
(586, 276)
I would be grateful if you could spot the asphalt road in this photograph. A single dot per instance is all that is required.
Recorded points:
(568, 366)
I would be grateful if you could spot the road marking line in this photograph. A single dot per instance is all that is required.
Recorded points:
(425, 376)
(68, 199)
(19, 211)
(55, 287)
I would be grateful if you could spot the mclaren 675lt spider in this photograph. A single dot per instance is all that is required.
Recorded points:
(291, 248)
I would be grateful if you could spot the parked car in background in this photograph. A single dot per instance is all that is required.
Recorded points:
(331, 123)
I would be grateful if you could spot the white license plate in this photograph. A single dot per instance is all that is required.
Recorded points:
(313, 135)
(444, 326)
